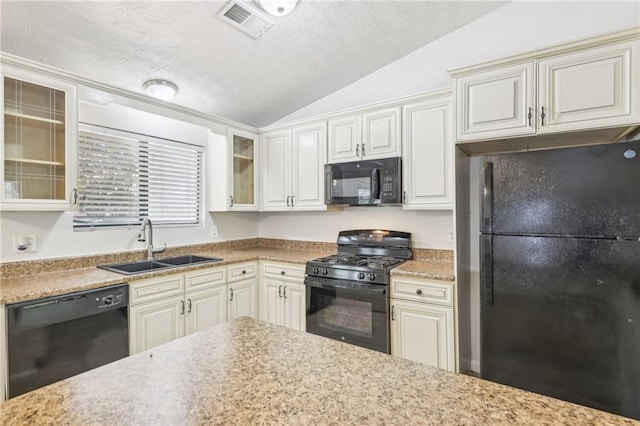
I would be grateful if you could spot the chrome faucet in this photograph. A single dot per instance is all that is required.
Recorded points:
(142, 238)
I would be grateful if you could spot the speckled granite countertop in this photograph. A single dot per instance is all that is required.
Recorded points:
(434, 264)
(425, 269)
(30, 287)
(250, 372)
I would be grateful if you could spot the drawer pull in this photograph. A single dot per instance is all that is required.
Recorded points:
(244, 272)
(419, 291)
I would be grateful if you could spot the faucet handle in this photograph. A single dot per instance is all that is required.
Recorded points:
(159, 250)
(141, 237)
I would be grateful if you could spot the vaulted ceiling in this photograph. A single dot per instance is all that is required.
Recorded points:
(319, 48)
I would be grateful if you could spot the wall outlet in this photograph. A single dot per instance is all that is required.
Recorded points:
(452, 235)
(25, 244)
(214, 231)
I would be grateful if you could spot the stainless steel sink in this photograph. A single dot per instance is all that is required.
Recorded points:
(139, 267)
(189, 259)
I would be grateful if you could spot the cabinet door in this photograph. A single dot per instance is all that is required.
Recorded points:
(427, 155)
(423, 333)
(381, 134)
(309, 157)
(242, 300)
(496, 103)
(295, 306)
(588, 89)
(154, 323)
(344, 139)
(38, 159)
(205, 309)
(273, 305)
(276, 171)
(243, 177)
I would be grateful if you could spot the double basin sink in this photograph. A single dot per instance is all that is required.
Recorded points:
(142, 266)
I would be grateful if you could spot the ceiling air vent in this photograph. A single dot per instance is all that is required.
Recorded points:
(245, 18)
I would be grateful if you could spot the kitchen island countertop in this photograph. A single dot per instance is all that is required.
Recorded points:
(251, 372)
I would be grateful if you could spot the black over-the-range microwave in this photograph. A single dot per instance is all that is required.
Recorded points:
(364, 183)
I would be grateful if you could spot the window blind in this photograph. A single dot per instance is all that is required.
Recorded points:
(124, 177)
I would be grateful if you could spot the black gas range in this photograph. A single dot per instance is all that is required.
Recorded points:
(348, 292)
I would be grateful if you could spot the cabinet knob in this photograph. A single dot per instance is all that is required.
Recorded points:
(281, 272)
(244, 272)
(419, 291)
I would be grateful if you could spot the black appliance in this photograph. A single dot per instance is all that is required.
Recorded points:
(560, 274)
(364, 183)
(347, 295)
(58, 337)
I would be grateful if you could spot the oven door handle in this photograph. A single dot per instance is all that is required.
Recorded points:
(371, 288)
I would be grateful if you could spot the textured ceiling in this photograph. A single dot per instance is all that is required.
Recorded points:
(319, 48)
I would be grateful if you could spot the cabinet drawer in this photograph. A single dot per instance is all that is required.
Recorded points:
(156, 288)
(284, 271)
(201, 279)
(241, 271)
(422, 290)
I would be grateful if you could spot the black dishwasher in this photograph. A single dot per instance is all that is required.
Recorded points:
(58, 337)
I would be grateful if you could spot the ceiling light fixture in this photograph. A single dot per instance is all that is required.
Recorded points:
(160, 89)
(278, 7)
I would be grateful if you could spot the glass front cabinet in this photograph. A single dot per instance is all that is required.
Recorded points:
(38, 146)
(232, 169)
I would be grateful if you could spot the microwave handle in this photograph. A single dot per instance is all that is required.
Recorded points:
(375, 184)
(327, 185)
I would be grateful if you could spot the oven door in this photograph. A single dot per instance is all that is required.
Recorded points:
(349, 311)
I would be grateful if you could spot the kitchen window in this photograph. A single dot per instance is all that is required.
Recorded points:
(124, 177)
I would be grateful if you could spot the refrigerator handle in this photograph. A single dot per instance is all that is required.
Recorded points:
(487, 199)
(486, 269)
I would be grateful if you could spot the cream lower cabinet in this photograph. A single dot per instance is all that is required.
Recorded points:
(423, 322)
(242, 290)
(283, 294)
(165, 308)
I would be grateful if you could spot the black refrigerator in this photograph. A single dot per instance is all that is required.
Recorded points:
(560, 274)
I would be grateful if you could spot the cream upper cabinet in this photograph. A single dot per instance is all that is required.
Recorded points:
(233, 173)
(345, 138)
(293, 168)
(427, 154)
(309, 157)
(39, 130)
(592, 88)
(580, 86)
(367, 136)
(276, 170)
(496, 103)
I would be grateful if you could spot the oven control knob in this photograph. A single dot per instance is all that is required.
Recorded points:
(361, 276)
(372, 277)
(325, 271)
(316, 270)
